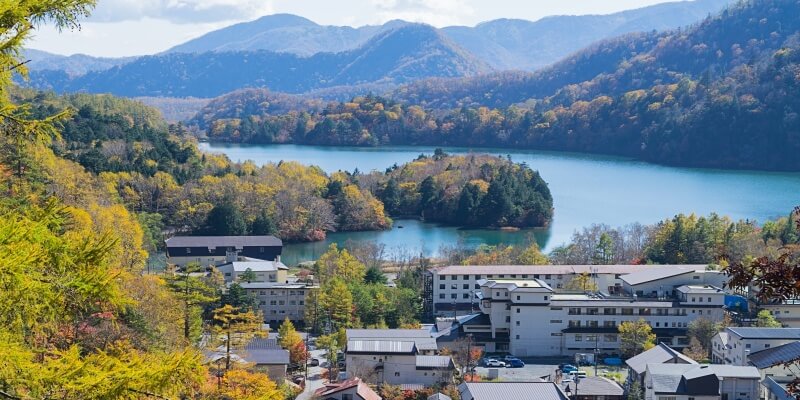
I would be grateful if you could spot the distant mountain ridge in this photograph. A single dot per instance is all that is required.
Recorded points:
(504, 44)
(400, 55)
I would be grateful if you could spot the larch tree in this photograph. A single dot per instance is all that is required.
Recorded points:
(235, 328)
(193, 292)
(635, 337)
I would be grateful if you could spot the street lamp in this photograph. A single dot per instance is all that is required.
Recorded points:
(568, 391)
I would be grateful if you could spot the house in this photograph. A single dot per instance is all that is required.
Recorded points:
(734, 345)
(350, 389)
(439, 396)
(396, 362)
(663, 281)
(771, 364)
(422, 338)
(215, 250)
(449, 291)
(511, 390)
(659, 354)
(527, 317)
(263, 271)
(262, 354)
(701, 382)
(594, 388)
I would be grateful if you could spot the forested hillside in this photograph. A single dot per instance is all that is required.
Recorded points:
(400, 55)
(732, 103)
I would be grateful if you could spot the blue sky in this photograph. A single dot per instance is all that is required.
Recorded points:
(135, 27)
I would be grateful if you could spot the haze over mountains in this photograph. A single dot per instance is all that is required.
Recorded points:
(291, 54)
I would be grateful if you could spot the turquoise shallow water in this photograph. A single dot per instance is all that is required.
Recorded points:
(586, 189)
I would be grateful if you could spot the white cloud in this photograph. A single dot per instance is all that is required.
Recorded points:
(180, 11)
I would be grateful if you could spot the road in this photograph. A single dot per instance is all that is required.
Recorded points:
(315, 380)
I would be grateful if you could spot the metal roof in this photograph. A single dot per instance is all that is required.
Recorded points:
(664, 271)
(766, 333)
(775, 356)
(511, 390)
(672, 378)
(439, 396)
(434, 362)
(255, 266)
(387, 333)
(380, 346)
(597, 386)
(660, 354)
(543, 269)
(223, 241)
(699, 289)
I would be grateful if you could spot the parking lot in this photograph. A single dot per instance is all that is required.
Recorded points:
(545, 369)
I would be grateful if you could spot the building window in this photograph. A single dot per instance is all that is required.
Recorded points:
(557, 321)
(518, 298)
(453, 296)
(466, 286)
(454, 287)
(260, 249)
(441, 295)
(227, 274)
(610, 311)
(610, 338)
(513, 275)
(281, 302)
(592, 311)
(574, 311)
(466, 277)
(477, 286)
(517, 336)
(465, 295)
(396, 374)
(273, 303)
(574, 324)
(592, 324)
(644, 311)
(545, 298)
(609, 324)
(453, 277)
(188, 250)
(441, 286)
(578, 338)
(627, 311)
(709, 299)
(517, 323)
(508, 319)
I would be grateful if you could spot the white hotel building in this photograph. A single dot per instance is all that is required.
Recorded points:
(450, 290)
(527, 317)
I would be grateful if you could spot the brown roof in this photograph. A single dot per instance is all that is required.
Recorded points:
(362, 389)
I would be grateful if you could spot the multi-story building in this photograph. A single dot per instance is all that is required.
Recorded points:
(279, 301)
(450, 290)
(659, 354)
(538, 321)
(701, 382)
(215, 250)
(734, 345)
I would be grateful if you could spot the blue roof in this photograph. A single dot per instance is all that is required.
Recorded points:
(775, 356)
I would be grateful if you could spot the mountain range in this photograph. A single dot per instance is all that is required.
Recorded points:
(403, 54)
(292, 54)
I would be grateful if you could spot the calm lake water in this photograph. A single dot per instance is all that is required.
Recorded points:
(586, 189)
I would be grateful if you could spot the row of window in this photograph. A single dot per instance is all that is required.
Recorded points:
(624, 311)
(282, 302)
(282, 293)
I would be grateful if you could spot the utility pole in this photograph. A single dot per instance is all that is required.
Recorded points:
(596, 355)
(308, 353)
(469, 358)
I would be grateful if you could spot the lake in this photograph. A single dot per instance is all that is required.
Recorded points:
(586, 189)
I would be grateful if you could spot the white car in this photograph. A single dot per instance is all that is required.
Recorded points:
(495, 363)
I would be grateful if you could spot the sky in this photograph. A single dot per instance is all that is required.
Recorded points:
(135, 27)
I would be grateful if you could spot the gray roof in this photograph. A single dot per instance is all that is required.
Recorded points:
(421, 337)
(775, 356)
(597, 386)
(511, 390)
(223, 241)
(670, 378)
(664, 271)
(659, 354)
(380, 346)
(265, 351)
(705, 289)
(766, 333)
(541, 269)
(255, 266)
(433, 362)
(439, 396)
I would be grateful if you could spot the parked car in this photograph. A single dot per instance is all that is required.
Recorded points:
(577, 373)
(314, 362)
(509, 357)
(566, 380)
(495, 363)
(567, 368)
(515, 363)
